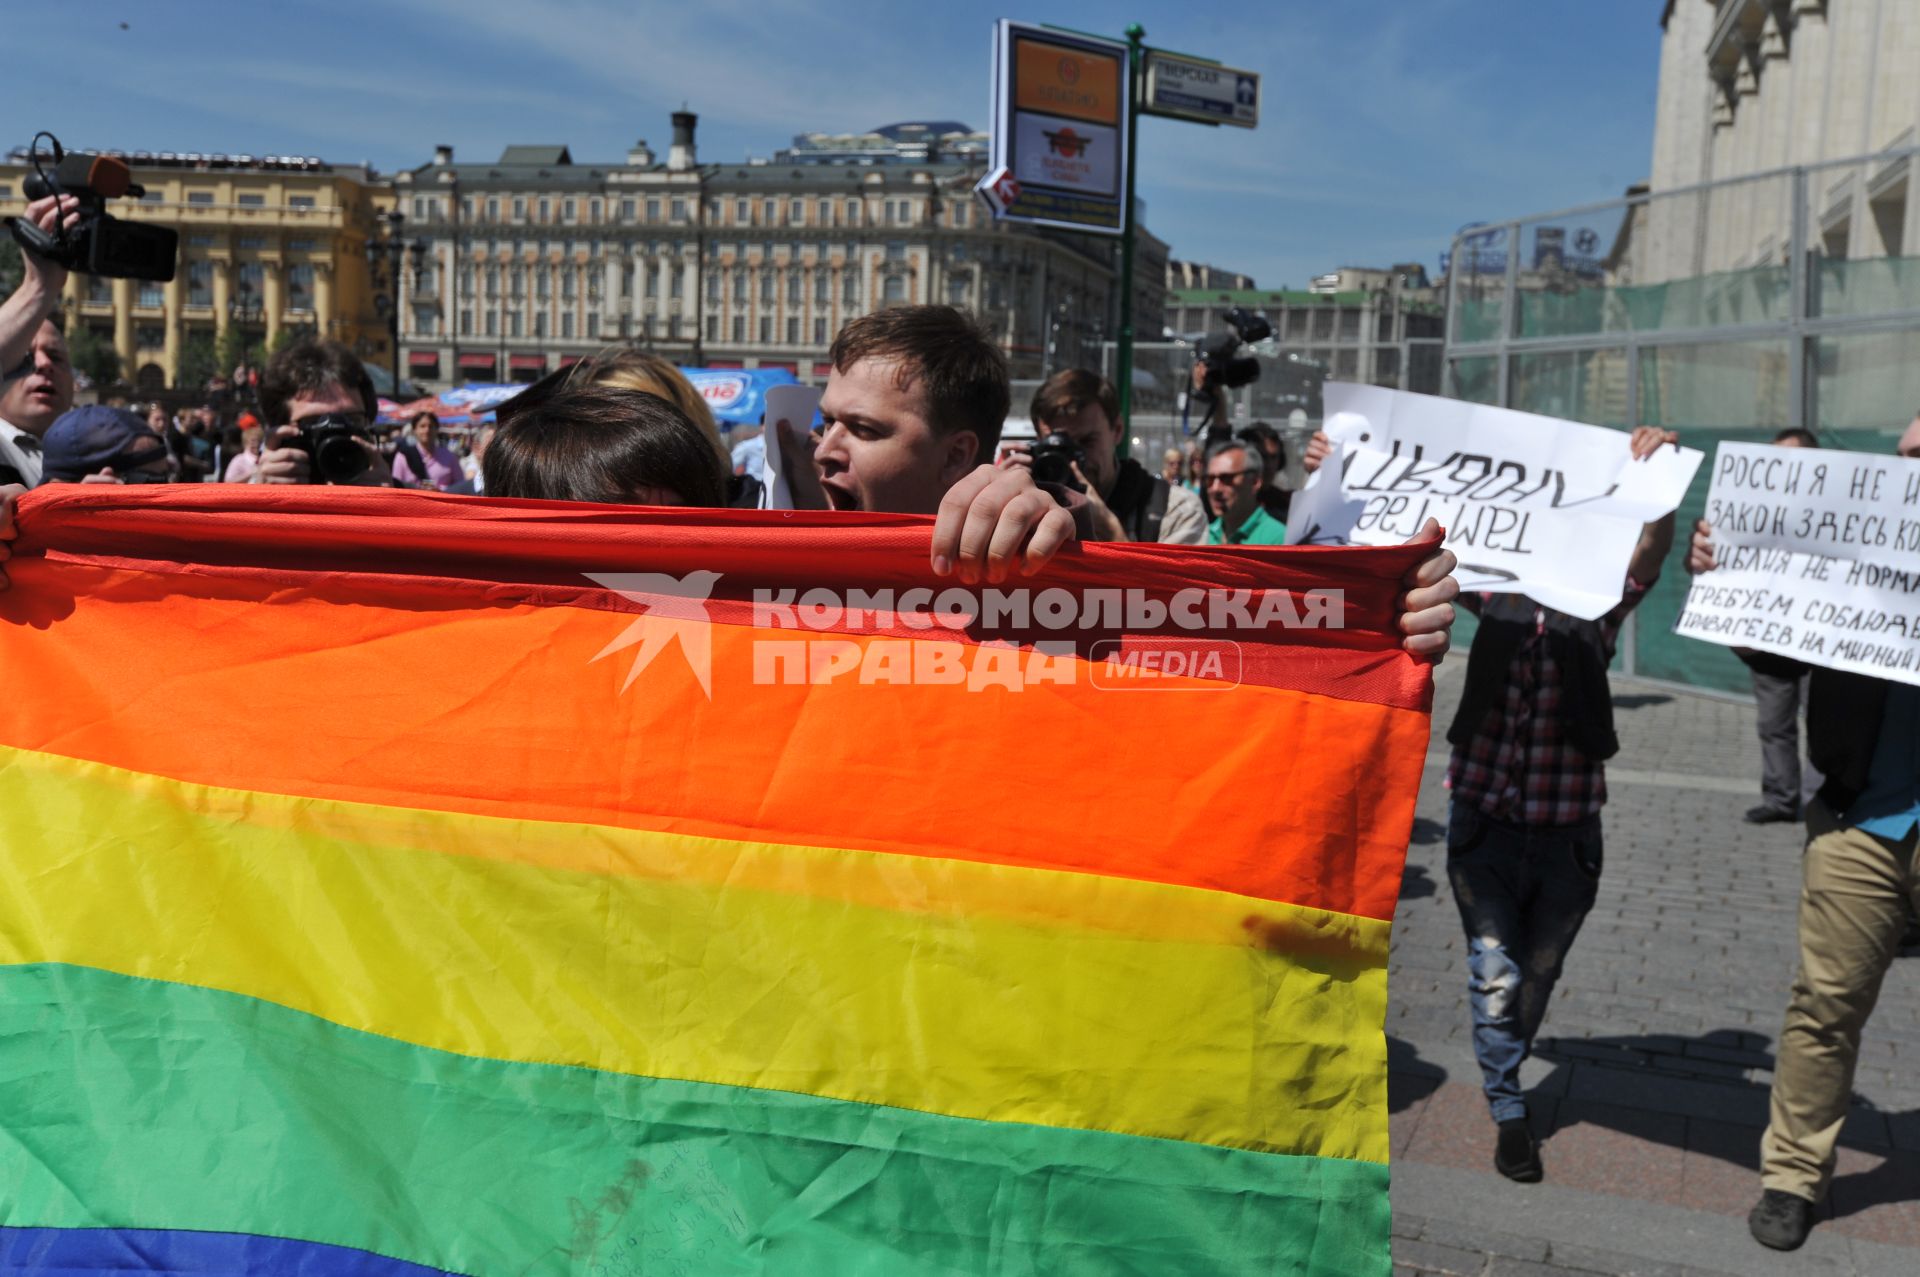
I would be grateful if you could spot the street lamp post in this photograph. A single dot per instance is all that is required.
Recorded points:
(240, 312)
(384, 261)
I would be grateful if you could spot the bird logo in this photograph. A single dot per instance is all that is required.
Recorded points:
(676, 610)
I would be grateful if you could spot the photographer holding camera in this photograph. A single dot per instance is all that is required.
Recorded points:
(1077, 415)
(38, 381)
(319, 406)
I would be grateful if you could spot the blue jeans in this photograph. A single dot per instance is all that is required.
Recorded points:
(1523, 893)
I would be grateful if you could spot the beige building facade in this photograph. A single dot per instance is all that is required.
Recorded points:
(1755, 86)
(537, 259)
(265, 244)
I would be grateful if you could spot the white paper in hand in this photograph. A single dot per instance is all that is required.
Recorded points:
(794, 405)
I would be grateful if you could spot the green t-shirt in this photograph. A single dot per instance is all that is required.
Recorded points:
(1260, 528)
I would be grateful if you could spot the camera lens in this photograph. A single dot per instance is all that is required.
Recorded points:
(338, 459)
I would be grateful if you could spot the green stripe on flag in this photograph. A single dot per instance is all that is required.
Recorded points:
(136, 1103)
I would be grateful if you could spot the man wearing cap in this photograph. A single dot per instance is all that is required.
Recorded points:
(36, 381)
(98, 444)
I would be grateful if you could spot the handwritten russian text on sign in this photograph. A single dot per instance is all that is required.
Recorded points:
(1060, 103)
(1819, 559)
(1532, 505)
(1195, 89)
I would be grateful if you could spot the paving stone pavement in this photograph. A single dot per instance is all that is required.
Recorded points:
(1652, 1071)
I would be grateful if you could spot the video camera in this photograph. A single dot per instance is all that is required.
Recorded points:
(1054, 456)
(1226, 367)
(98, 244)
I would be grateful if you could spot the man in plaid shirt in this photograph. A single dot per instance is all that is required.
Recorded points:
(1523, 834)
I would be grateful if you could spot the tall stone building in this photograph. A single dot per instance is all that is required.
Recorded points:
(537, 258)
(266, 243)
(1751, 86)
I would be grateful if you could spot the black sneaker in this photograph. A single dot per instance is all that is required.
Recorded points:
(1764, 815)
(1780, 1220)
(1516, 1154)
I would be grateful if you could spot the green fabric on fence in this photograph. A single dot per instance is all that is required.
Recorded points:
(133, 1102)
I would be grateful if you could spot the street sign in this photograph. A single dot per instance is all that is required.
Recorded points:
(1195, 89)
(1061, 102)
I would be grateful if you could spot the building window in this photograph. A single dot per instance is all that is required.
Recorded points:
(713, 285)
(653, 280)
(543, 283)
(853, 212)
(567, 210)
(493, 282)
(517, 286)
(539, 323)
(493, 208)
(767, 211)
(819, 332)
(957, 291)
(766, 330)
(822, 282)
(150, 294)
(850, 287)
(250, 241)
(896, 250)
(676, 282)
(199, 283)
(299, 201)
(888, 206)
(566, 323)
(766, 286)
(513, 323)
(150, 337)
(739, 284)
(466, 323)
(679, 210)
(653, 210)
(568, 286)
(100, 289)
(199, 197)
(740, 216)
(739, 328)
(896, 289)
(546, 209)
(793, 332)
(200, 241)
(796, 212)
(713, 328)
(593, 210)
(519, 208)
(300, 287)
(960, 214)
(493, 324)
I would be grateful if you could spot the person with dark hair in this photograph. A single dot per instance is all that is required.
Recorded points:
(36, 378)
(429, 463)
(306, 382)
(1128, 503)
(98, 444)
(595, 442)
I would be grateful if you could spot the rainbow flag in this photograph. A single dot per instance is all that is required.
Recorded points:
(397, 884)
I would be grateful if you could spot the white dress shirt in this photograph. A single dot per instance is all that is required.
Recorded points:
(21, 450)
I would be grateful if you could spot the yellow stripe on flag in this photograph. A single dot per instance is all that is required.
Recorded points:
(955, 987)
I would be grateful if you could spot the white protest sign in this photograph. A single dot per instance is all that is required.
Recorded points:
(1532, 505)
(794, 405)
(1819, 559)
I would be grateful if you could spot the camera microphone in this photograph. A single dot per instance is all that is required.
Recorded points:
(106, 176)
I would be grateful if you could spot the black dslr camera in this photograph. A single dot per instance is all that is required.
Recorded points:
(98, 244)
(329, 442)
(1226, 367)
(1054, 457)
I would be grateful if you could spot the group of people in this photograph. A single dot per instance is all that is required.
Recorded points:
(911, 418)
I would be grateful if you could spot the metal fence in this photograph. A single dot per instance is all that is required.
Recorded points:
(1727, 311)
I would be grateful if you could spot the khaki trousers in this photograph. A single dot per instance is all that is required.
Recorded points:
(1852, 909)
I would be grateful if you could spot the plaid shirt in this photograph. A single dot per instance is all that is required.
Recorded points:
(1519, 766)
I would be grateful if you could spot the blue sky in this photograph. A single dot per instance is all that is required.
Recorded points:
(1386, 125)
